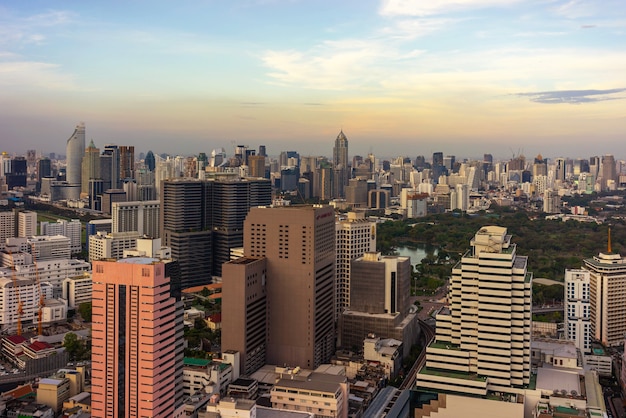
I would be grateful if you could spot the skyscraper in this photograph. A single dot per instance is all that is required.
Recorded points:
(137, 353)
(355, 236)
(486, 330)
(244, 311)
(90, 167)
(74, 150)
(298, 243)
(150, 161)
(127, 162)
(203, 219)
(607, 281)
(341, 172)
(577, 309)
(185, 228)
(609, 172)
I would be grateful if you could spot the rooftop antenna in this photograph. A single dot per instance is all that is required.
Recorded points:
(609, 240)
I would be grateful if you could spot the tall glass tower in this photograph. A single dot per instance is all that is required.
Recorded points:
(340, 165)
(74, 150)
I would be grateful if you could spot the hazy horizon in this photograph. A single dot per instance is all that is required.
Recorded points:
(399, 77)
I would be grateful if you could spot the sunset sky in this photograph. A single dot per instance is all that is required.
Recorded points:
(400, 77)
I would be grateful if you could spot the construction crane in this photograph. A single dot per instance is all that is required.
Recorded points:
(42, 299)
(20, 308)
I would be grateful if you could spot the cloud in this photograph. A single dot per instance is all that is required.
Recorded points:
(573, 96)
(16, 31)
(427, 8)
(332, 65)
(587, 26)
(407, 29)
(20, 73)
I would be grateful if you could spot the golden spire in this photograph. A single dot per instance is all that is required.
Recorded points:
(609, 240)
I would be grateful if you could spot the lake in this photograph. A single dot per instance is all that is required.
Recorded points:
(417, 252)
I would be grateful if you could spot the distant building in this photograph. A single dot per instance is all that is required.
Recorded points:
(141, 216)
(71, 229)
(75, 149)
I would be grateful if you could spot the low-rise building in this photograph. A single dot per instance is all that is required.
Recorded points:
(324, 395)
(208, 376)
(77, 290)
(53, 392)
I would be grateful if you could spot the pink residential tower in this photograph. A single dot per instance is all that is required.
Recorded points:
(137, 331)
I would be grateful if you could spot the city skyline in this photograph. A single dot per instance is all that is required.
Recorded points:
(397, 76)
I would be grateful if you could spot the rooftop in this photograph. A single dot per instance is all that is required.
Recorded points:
(455, 375)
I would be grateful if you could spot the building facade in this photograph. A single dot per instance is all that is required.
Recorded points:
(355, 236)
(484, 336)
(298, 243)
(607, 281)
(578, 308)
(141, 216)
(137, 354)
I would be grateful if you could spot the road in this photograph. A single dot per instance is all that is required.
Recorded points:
(428, 334)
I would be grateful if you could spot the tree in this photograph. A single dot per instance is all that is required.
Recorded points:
(84, 309)
(74, 346)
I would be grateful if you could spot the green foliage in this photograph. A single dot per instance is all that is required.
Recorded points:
(76, 348)
(551, 246)
(84, 309)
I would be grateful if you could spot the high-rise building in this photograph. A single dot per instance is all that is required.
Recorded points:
(137, 353)
(559, 169)
(437, 166)
(609, 171)
(127, 162)
(110, 167)
(355, 236)
(140, 216)
(150, 161)
(298, 243)
(486, 330)
(185, 228)
(90, 167)
(578, 308)
(203, 219)
(257, 165)
(341, 170)
(75, 149)
(607, 281)
(71, 229)
(27, 223)
(379, 302)
(244, 311)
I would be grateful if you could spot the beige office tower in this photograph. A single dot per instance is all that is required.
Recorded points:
(483, 339)
(607, 281)
(355, 237)
(298, 243)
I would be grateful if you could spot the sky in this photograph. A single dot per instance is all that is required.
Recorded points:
(399, 77)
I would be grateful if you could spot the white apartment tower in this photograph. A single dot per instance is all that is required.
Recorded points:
(142, 217)
(26, 223)
(607, 281)
(578, 308)
(355, 237)
(71, 230)
(484, 336)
